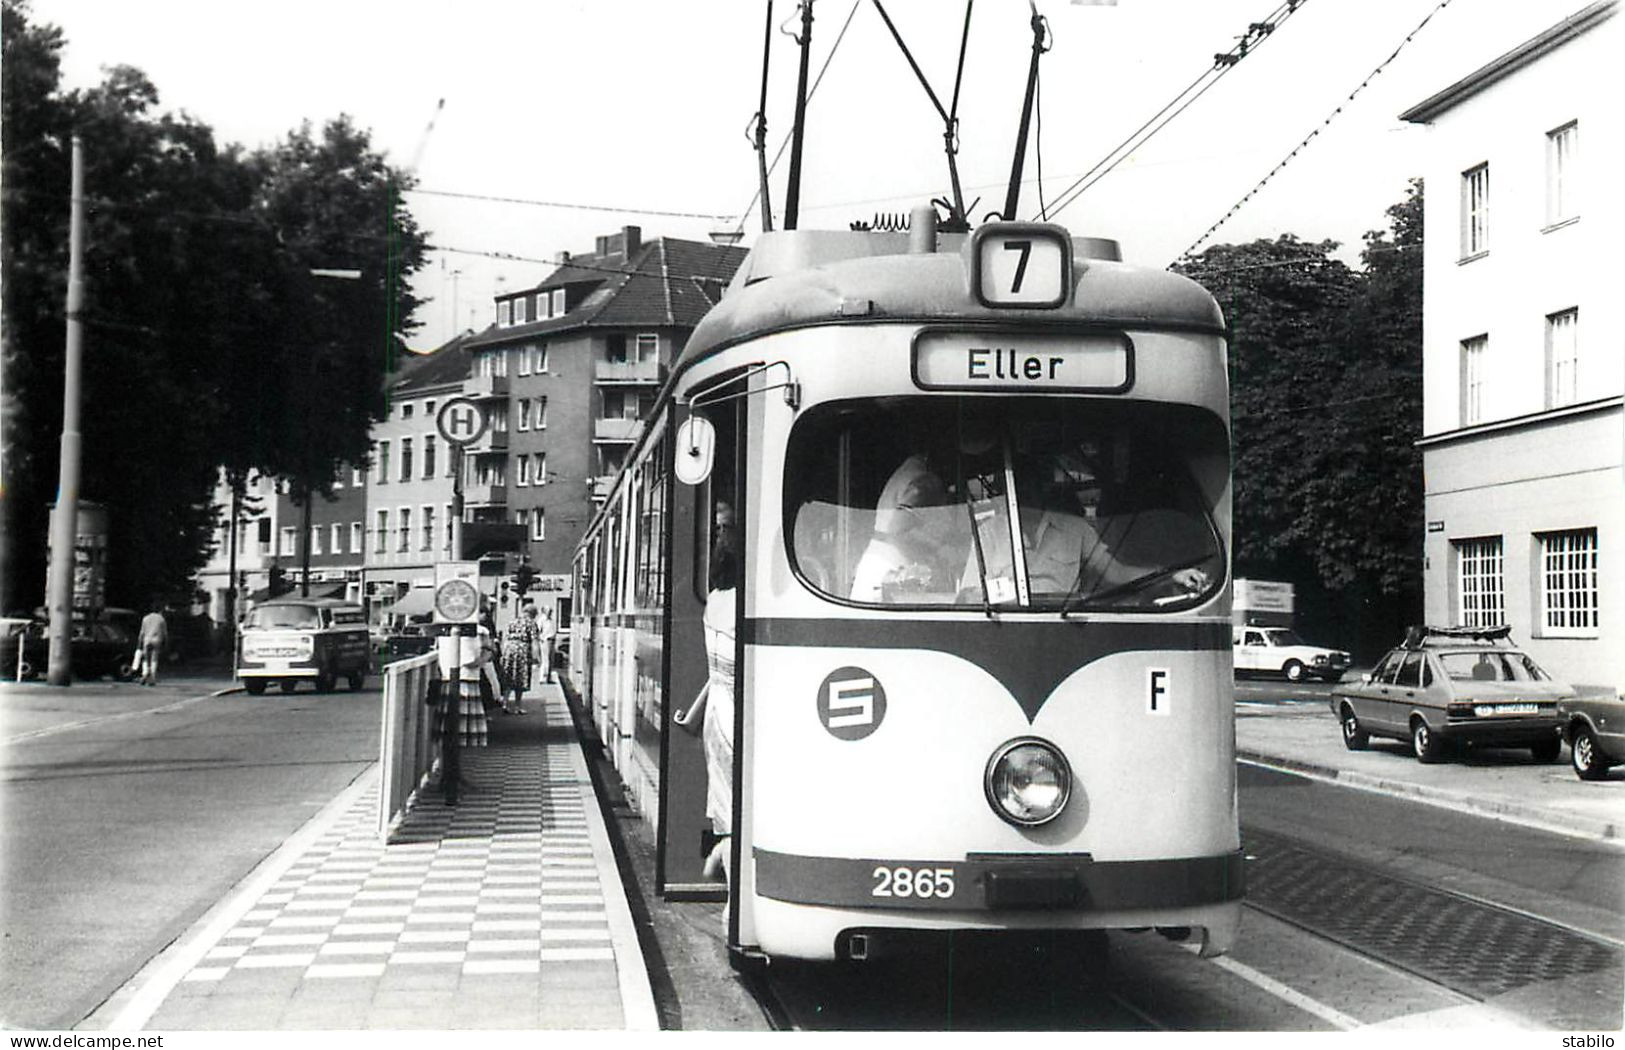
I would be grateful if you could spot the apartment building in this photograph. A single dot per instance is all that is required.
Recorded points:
(1524, 348)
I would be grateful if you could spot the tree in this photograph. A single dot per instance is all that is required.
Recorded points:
(1326, 407)
(208, 342)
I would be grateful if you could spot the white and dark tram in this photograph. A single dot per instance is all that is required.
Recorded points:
(979, 490)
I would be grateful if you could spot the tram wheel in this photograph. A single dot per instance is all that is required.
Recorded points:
(1354, 738)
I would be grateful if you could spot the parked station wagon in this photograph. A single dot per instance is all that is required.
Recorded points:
(1279, 650)
(1454, 685)
(288, 640)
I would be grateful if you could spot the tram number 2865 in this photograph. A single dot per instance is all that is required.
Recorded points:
(913, 882)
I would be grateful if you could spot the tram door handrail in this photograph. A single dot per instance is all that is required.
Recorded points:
(405, 752)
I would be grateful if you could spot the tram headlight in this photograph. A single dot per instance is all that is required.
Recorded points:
(1028, 781)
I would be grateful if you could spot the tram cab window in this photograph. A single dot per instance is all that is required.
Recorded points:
(908, 502)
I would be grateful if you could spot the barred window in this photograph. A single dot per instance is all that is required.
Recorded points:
(1568, 583)
(1481, 585)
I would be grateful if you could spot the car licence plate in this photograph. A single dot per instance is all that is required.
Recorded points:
(1491, 710)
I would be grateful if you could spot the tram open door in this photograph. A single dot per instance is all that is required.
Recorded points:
(708, 459)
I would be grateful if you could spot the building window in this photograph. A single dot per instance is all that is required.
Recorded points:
(558, 302)
(524, 414)
(1568, 584)
(405, 541)
(519, 309)
(428, 528)
(499, 419)
(336, 535)
(541, 468)
(540, 422)
(428, 408)
(406, 410)
(1562, 358)
(262, 537)
(648, 347)
(1562, 151)
(358, 477)
(406, 459)
(524, 360)
(356, 538)
(1480, 583)
(1475, 211)
(522, 519)
(383, 462)
(1473, 354)
(540, 350)
(428, 456)
(380, 542)
(315, 539)
(538, 524)
(504, 313)
(615, 349)
(286, 542)
(524, 471)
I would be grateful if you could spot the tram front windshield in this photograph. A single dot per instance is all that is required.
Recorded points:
(1043, 504)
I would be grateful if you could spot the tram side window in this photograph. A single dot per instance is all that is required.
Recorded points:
(650, 584)
(718, 503)
(907, 501)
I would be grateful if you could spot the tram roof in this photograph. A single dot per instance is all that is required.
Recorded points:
(795, 278)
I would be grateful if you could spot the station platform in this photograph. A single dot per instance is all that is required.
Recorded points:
(503, 912)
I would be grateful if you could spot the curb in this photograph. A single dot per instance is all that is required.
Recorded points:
(1544, 818)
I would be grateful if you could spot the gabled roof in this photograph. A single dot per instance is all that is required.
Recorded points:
(668, 283)
(445, 365)
(1522, 55)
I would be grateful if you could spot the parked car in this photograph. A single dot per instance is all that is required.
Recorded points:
(1279, 650)
(100, 650)
(1594, 728)
(1454, 685)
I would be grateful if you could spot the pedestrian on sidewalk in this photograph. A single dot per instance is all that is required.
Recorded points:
(550, 632)
(153, 639)
(521, 643)
(464, 713)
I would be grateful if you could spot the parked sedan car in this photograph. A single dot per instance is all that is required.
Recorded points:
(95, 651)
(1594, 727)
(1279, 650)
(1454, 685)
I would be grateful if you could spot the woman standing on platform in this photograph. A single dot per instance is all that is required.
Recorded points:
(520, 645)
(468, 655)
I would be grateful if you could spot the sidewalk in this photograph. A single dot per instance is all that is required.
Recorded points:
(504, 912)
(1303, 736)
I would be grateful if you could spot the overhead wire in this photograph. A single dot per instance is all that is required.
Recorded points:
(1223, 63)
(1369, 77)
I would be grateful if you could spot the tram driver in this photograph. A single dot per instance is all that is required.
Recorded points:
(1075, 548)
(913, 553)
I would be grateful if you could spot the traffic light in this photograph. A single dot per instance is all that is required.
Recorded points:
(524, 578)
(504, 596)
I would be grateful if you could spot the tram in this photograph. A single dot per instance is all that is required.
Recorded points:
(976, 490)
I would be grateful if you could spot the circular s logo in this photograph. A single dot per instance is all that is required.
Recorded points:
(851, 703)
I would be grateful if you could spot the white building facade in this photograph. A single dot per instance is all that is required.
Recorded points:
(1524, 348)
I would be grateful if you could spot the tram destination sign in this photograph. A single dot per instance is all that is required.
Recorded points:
(954, 360)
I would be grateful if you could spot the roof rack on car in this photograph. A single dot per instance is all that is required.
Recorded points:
(1423, 634)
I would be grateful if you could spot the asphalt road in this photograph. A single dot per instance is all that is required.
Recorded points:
(128, 813)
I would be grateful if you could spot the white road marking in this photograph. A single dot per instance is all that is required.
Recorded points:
(1335, 1018)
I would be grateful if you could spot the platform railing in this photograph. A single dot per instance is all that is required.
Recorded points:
(405, 752)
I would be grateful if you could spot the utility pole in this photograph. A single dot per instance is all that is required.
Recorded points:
(65, 523)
